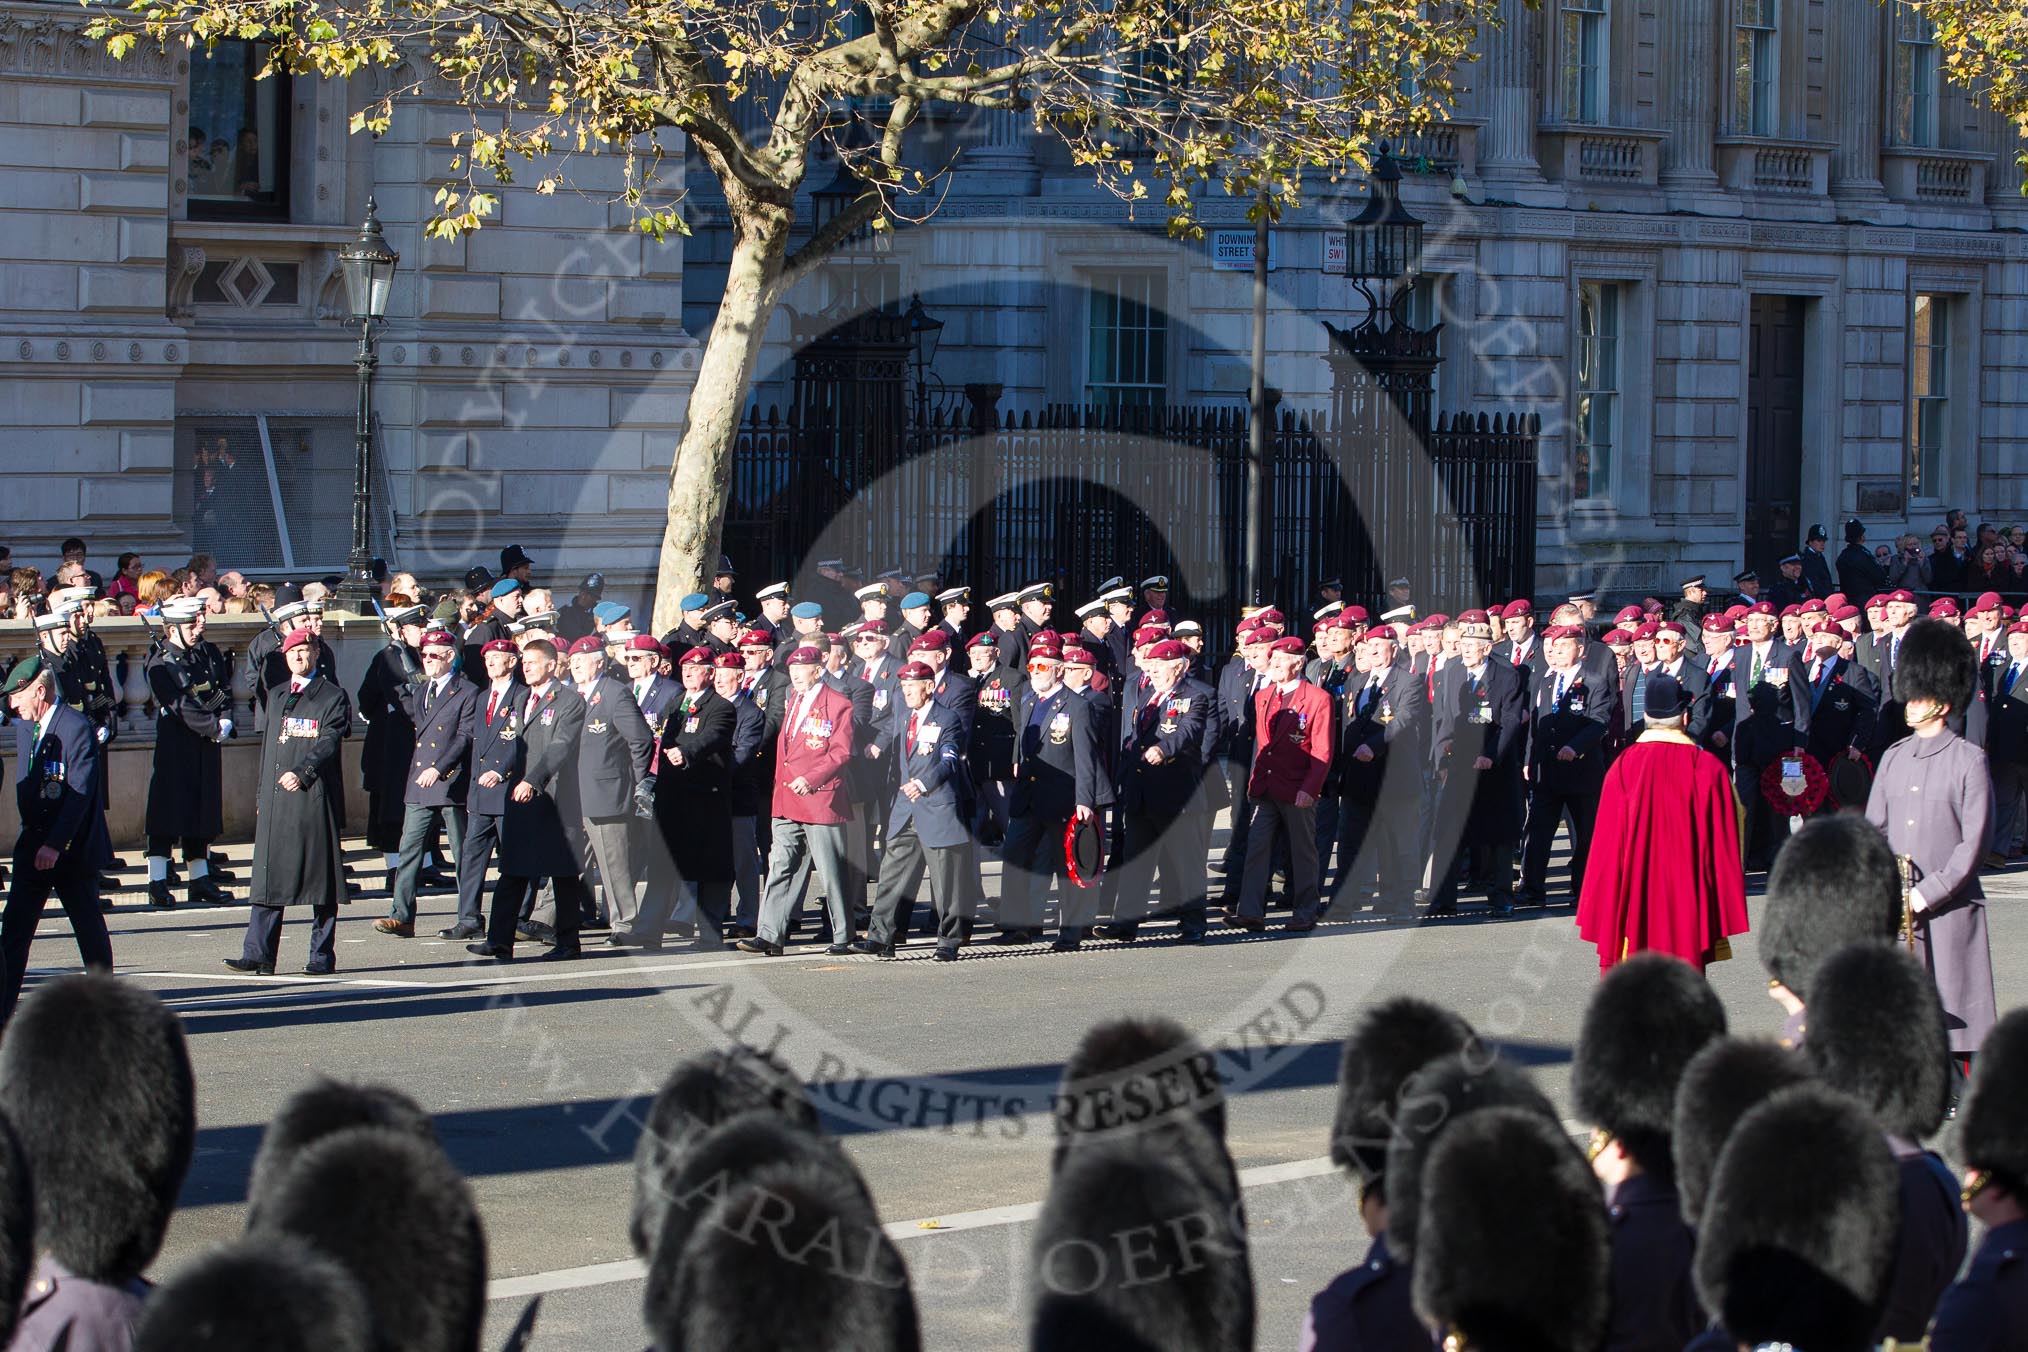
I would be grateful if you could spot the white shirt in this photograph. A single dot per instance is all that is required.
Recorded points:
(803, 707)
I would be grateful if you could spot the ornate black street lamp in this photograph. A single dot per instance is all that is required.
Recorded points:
(368, 265)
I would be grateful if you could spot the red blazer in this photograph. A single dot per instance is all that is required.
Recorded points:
(818, 751)
(1292, 742)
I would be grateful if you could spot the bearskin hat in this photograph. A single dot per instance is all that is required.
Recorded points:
(1936, 662)
(1389, 1043)
(1800, 1230)
(1721, 1082)
(699, 1094)
(17, 1229)
(1434, 1098)
(1833, 882)
(1647, 1018)
(1125, 1073)
(783, 1259)
(1513, 1247)
(400, 1217)
(721, 1158)
(323, 1108)
(1993, 1129)
(273, 1294)
(1876, 1031)
(95, 1077)
(1190, 1288)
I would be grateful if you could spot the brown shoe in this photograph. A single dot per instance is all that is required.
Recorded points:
(387, 924)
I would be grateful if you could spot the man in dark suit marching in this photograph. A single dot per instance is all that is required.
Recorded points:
(1164, 814)
(693, 808)
(926, 824)
(63, 844)
(1386, 723)
(441, 705)
(1480, 739)
(495, 755)
(298, 851)
(1057, 776)
(612, 759)
(1566, 762)
(536, 835)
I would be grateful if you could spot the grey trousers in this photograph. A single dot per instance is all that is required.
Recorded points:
(798, 847)
(746, 878)
(418, 829)
(1300, 824)
(902, 865)
(610, 841)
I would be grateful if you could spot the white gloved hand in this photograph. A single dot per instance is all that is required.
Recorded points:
(224, 728)
(101, 734)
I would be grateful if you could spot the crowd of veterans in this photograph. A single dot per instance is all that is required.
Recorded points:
(1716, 1191)
(563, 771)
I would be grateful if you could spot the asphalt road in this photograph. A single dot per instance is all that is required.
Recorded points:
(935, 1075)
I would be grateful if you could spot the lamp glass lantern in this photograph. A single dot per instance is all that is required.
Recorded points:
(924, 332)
(368, 264)
(1383, 243)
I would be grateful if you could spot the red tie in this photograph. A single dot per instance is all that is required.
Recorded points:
(913, 721)
(492, 703)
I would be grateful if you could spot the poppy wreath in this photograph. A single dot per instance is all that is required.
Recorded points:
(1783, 794)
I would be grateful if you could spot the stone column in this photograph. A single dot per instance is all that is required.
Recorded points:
(1859, 89)
(1510, 102)
(1003, 164)
(1689, 97)
(134, 718)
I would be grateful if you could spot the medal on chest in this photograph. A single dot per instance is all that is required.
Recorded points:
(53, 776)
(880, 699)
(1483, 713)
(1059, 728)
(298, 727)
(816, 732)
(597, 725)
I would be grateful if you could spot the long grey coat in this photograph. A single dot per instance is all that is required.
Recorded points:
(1932, 799)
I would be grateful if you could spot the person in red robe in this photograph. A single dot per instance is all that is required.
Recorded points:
(1664, 871)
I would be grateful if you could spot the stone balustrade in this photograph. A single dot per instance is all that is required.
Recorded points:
(352, 638)
(1607, 157)
(1949, 178)
(1775, 167)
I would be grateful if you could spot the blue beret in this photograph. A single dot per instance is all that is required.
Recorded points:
(610, 611)
(914, 599)
(694, 601)
(506, 586)
(806, 610)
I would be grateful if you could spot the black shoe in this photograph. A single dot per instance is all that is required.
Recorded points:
(1193, 936)
(462, 932)
(683, 931)
(160, 897)
(319, 968)
(542, 934)
(947, 953)
(1015, 936)
(205, 891)
(1443, 909)
(1529, 896)
(1500, 904)
(760, 946)
(490, 951)
(870, 947)
(562, 953)
(1069, 941)
(219, 867)
(430, 880)
(256, 968)
(1126, 934)
(840, 950)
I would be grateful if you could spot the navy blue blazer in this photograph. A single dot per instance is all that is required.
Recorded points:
(496, 746)
(59, 798)
(936, 759)
(1988, 1310)
(443, 740)
(1366, 1309)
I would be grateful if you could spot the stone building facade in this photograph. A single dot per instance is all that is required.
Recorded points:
(176, 360)
(1754, 263)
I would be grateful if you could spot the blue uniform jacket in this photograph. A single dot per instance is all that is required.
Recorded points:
(1988, 1310)
(937, 759)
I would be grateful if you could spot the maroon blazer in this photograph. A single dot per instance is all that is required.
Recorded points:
(817, 750)
(1292, 741)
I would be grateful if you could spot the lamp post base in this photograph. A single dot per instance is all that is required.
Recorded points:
(357, 592)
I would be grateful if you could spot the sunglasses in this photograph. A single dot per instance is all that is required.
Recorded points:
(1041, 666)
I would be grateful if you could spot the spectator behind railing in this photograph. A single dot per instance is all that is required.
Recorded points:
(153, 589)
(1907, 569)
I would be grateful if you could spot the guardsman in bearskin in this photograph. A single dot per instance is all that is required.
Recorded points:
(63, 844)
(95, 1080)
(1382, 753)
(300, 821)
(1797, 1234)
(1513, 1249)
(256, 1295)
(1480, 734)
(990, 748)
(1988, 1310)
(1876, 1033)
(1165, 817)
(1368, 1306)
(1833, 883)
(1649, 1016)
(1932, 795)
(190, 681)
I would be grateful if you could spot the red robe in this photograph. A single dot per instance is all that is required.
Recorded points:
(1664, 871)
